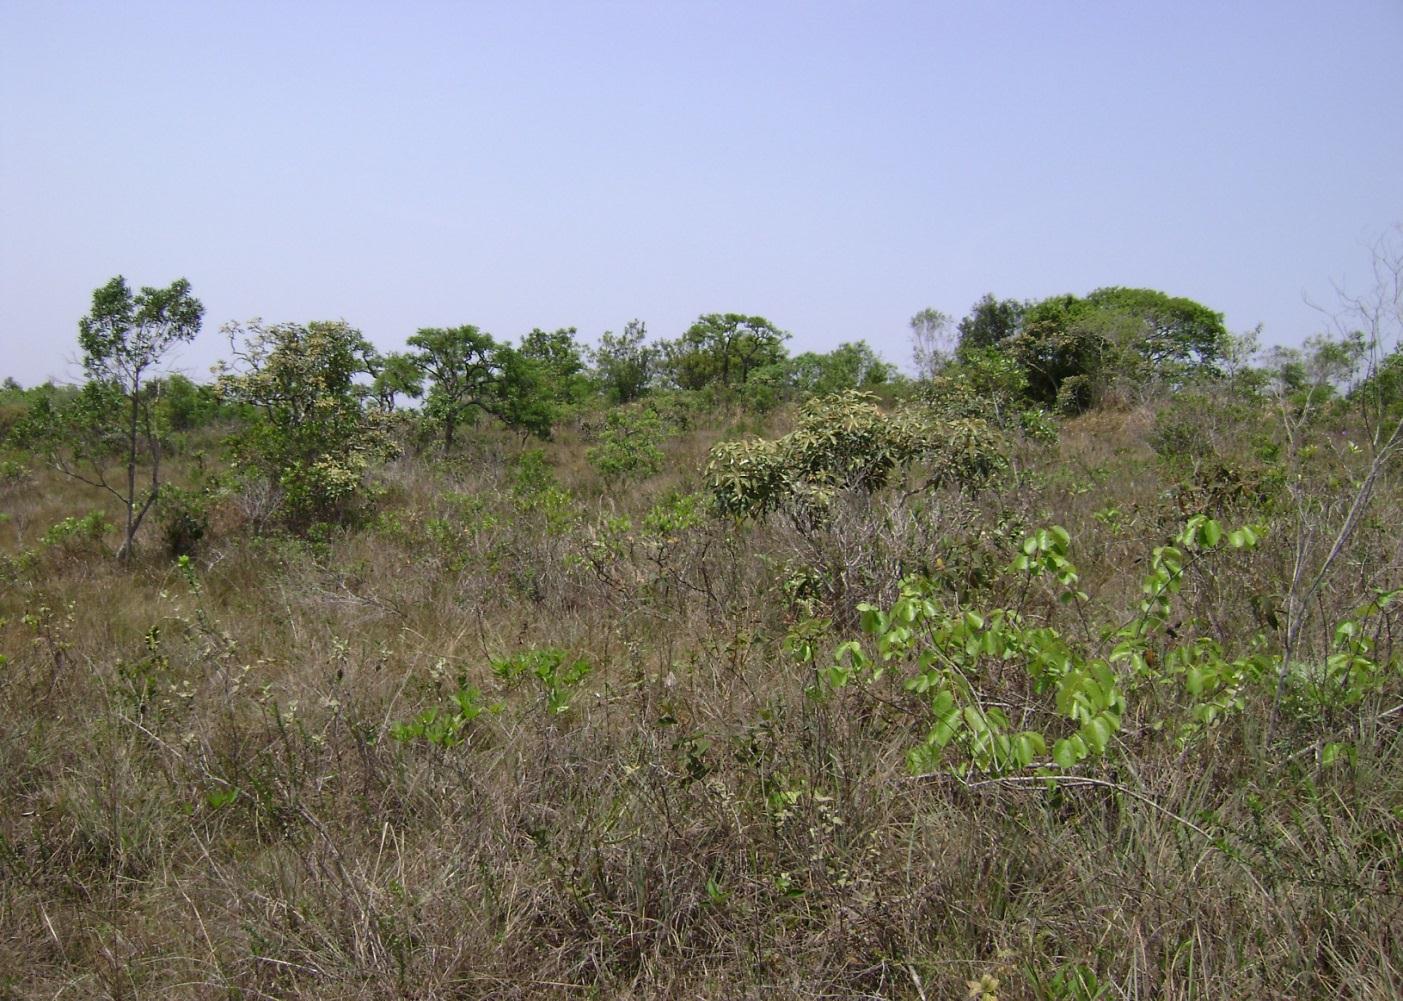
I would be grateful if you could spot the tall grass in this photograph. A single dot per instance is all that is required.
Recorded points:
(204, 795)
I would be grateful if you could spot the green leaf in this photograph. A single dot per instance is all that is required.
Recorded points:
(1332, 752)
(945, 730)
(1064, 753)
(974, 719)
(1098, 733)
(219, 798)
(1193, 681)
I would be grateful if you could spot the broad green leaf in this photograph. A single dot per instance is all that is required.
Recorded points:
(1064, 753)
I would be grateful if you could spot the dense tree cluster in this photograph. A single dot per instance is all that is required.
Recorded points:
(1079, 351)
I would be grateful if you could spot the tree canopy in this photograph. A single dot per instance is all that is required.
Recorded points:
(468, 369)
(724, 348)
(1077, 349)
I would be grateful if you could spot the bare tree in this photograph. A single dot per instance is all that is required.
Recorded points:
(931, 341)
(1372, 321)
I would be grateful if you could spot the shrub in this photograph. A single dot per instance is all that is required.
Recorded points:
(77, 538)
(845, 444)
(311, 437)
(628, 444)
(184, 516)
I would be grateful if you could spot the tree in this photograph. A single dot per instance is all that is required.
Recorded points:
(624, 364)
(848, 366)
(182, 404)
(990, 322)
(460, 364)
(470, 370)
(124, 339)
(1171, 335)
(311, 437)
(394, 375)
(930, 341)
(1076, 349)
(559, 362)
(1052, 348)
(724, 348)
(524, 398)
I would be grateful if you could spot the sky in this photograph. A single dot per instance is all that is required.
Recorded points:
(834, 167)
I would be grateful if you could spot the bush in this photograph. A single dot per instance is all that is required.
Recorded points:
(628, 444)
(77, 538)
(312, 437)
(184, 518)
(842, 444)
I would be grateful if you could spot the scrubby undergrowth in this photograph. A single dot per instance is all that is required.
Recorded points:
(521, 729)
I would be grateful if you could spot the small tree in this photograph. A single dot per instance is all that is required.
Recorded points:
(848, 366)
(1367, 336)
(394, 375)
(624, 364)
(930, 342)
(990, 322)
(724, 348)
(470, 370)
(312, 437)
(124, 339)
(559, 362)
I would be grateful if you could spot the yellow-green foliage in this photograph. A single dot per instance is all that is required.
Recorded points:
(313, 436)
(845, 443)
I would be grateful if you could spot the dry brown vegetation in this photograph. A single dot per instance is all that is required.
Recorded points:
(205, 793)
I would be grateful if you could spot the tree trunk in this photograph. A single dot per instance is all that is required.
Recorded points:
(132, 522)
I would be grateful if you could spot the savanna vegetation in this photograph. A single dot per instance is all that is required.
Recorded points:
(1068, 669)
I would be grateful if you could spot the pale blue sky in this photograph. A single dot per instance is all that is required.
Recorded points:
(833, 166)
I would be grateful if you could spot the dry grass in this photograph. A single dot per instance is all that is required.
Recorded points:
(203, 798)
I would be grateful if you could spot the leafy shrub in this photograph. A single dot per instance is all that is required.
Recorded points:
(531, 473)
(673, 515)
(1075, 395)
(844, 443)
(311, 437)
(628, 444)
(556, 672)
(1220, 450)
(184, 518)
(89, 528)
(958, 661)
(988, 385)
(77, 538)
(445, 726)
(13, 473)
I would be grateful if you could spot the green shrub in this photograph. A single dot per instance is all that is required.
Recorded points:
(844, 444)
(556, 672)
(184, 519)
(77, 538)
(628, 443)
(311, 436)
